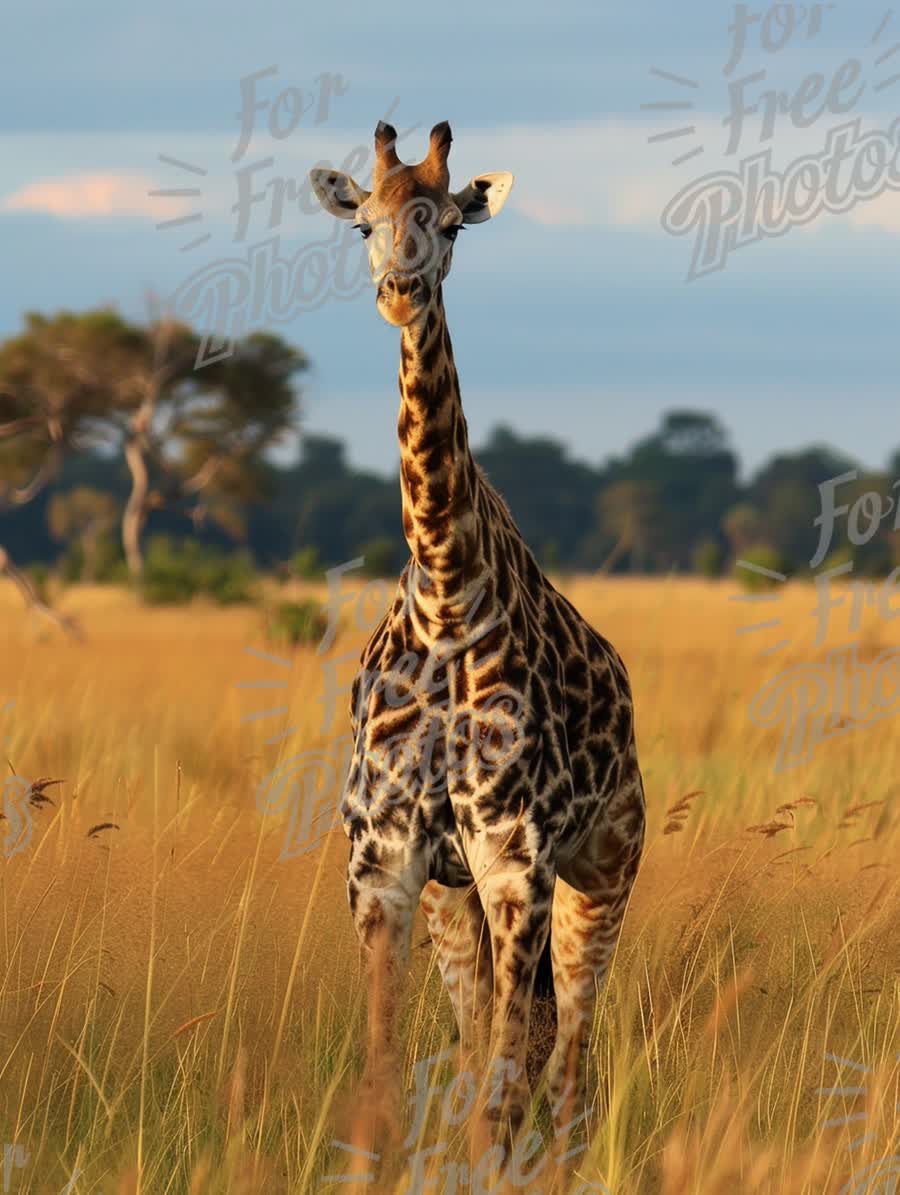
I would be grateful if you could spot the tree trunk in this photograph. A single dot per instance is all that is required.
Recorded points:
(135, 516)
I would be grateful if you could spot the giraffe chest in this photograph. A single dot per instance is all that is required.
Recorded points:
(452, 743)
(456, 742)
(427, 712)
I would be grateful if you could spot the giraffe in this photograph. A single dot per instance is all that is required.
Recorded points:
(494, 777)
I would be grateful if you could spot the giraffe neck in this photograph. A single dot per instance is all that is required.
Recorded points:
(438, 479)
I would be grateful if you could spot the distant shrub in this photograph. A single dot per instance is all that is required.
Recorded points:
(297, 622)
(107, 565)
(39, 575)
(176, 573)
(380, 557)
(170, 576)
(228, 580)
(71, 565)
(842, 556)
(306, 564)
(763, 556)
(708, 558)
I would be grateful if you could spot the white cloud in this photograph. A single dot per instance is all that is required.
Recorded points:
(552, 212)
(93, 196)
(639, 201)
(883, 213)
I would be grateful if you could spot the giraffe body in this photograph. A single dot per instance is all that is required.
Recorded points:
(494, 776)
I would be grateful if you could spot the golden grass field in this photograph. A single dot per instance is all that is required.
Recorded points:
(181, 1009)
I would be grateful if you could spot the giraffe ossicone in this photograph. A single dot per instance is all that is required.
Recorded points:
(522, 865)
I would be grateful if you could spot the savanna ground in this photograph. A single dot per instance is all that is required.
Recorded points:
(181, 1009)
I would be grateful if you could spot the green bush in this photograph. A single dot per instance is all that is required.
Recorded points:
(843, 555)
(306, 564)
(170, 575)
(108, 565)
(297, 622)
(380, 558)
(228, 580)
(39, 574)
(71, 565)
(708, 558)
(764, 557)
(176, 573)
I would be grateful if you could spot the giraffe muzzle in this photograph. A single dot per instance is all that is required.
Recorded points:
(401, 296)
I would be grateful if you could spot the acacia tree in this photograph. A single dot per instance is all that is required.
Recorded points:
(49, 406)
(217, 424)
(191, 437)
(198, 438)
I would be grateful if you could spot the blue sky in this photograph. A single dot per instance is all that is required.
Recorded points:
(571, 314)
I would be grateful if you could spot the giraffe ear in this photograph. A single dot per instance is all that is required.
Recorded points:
(337, 192)
(483, 197)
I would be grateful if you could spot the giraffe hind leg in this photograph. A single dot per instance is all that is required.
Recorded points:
(542, 1026)
(589, 905)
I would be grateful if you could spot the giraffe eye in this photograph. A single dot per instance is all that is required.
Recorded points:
(451, 232)
(365, 230)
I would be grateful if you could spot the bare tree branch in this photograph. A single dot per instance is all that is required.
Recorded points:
(33, 601)
(48, 472)
(204, 475)
(16, 426)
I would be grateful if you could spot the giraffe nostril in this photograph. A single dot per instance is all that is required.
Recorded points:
(409, 284)
(394, 285)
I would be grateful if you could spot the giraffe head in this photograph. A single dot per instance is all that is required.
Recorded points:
(410, 218)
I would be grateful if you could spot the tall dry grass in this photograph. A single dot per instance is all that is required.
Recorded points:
(181, 1009)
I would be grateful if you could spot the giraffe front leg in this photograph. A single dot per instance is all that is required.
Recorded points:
(518, 908)
(583, 937)
(383, 916)
(588, 909)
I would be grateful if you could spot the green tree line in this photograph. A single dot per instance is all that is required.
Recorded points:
(110, 435)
